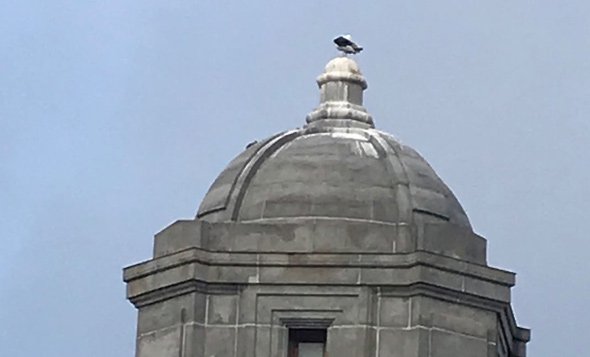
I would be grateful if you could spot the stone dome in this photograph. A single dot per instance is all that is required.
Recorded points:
(337, 166)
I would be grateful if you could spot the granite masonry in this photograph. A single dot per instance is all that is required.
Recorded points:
(329, 240)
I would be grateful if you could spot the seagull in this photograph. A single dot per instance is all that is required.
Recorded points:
(345, 44)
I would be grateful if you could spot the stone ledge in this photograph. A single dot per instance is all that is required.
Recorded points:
(317, 269)
(321, 235)
(342, 260)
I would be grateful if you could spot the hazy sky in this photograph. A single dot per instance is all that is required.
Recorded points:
(116, 116)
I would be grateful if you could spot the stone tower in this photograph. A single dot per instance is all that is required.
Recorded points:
(329, 240)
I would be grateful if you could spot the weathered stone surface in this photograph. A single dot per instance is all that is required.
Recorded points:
(403, 342)
(448, 344)
(246, 337)
(336, 173)
(168, 312)
(321, 235)
(220, 341)
(394, 312)
(334, 226)
(222, 309)
(450, 316)
(176, 237)
(161, 343)
(350, 341)
(268, 295)
(452, 241)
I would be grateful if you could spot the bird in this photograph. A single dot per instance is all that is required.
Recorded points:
(345, 44)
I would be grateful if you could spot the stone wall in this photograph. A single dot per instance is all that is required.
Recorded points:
(379, 289)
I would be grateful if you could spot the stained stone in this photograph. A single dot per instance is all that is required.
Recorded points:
(334, 226)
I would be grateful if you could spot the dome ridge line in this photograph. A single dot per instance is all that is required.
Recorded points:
(223, 206)
(252, 167)
(396, 169)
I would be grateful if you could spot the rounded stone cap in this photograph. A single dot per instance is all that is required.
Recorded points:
(342, 69)
(342, 64)
(331, 172)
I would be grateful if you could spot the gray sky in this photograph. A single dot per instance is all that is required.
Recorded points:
(116, 116)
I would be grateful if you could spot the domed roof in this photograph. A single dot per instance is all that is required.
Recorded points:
(337, 166)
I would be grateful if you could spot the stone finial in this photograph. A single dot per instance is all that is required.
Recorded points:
(341, 96)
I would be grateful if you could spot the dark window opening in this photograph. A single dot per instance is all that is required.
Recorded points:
(307, 342)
